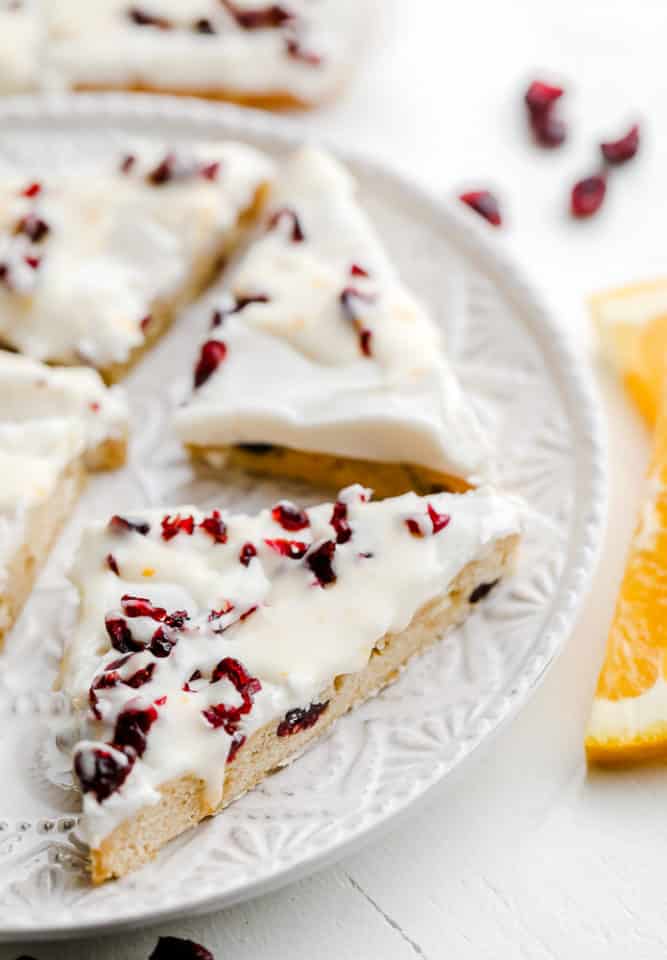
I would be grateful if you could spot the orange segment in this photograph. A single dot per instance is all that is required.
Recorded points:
(629, 717)
(632, 325)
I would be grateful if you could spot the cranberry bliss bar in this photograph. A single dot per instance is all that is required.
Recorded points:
(54, 426)
(94, 264)
(320, 364)
(211, 648)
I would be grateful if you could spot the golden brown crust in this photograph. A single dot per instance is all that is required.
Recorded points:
(183, 803)
(327, 471)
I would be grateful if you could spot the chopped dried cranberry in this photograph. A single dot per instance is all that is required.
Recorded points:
(235, 746)
(196, 675)
(145, 322)
(299, 719)
(357, 271)
(33, 262)
(320, 561)
(33, 227)
(286, 213)
(294, 549)
(121, 524)
(161, 645)
(340, 522)
(619, 151)
(262, 18)
(248, 613)
(481, 591)
(289, 516)
(213, 352)
(177, 619)
(143, 19)
(297, 52)
(365, 337)
(172, 526)
(439, 520)
(588, 195)
(204, 25)
(226, 608)
(140, 677)
(32, 190)
(248, 551)
(222, 715)
(163, 172)
(540, 96)
(215, 526)
(127, 162)
(141, 607)
(232, 670)
(173, 948)
(484, 203)
(414, 527)
(112, 564)
(106, 681)
(548, 129)
(210, 171)
(121, 635)
(348, 298)
(132, 727)
(101, 772)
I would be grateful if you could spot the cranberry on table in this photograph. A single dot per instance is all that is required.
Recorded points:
(620, 151)
(485, 204)
(588, 196)
(174, 948)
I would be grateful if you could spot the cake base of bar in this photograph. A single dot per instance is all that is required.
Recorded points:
(183, 804)
(163, 312)
(279, 101)
(43, 524)
(329, 472)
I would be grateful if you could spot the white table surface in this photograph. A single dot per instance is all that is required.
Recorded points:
(523, 855)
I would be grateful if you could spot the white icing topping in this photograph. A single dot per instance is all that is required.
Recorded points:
(84, 257)
(273, 615)
(199, 46)
(48, 418)
(333, 361)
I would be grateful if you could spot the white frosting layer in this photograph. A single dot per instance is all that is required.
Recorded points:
(84, 257)
(290, 633)
(189, 45)
(48, 418)
(334, 361)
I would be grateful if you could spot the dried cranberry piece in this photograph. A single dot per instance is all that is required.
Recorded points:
(121, 635)
(161, 645)
(620, 151)
(320, 562)
(231, 669)
(127, 162)
(357, 271)
(540, 96)
(484, 203)
(132, 727)
(348, 298)
(32, 190)
(588, 196)
(294, 549)
(226, 608)
(248, 613)
(143, 19)
(297, 52)
(241, 303)
(215, 526)
(286, 213)
(289, 516)
(172, 526)
(548, 129)
(112, 564)
(106, 681)
(210, 171)
(203, 25)
(213, 352)
(33, 227)
(141, 607)
(414, 527)
(140, 677)
(299, 719)
(101, 772)
(121, 524)
(163, 172)
(270, 16)
(177, 619)
(438, 520)
(248, 551)
(222, 715)
(235, 746)
(33, 262)
(340, 522)
(173, 948)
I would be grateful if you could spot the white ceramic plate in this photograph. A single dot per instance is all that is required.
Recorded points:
(534, 397)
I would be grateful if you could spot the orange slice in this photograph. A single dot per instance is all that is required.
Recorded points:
(632, 325)
(629, 717)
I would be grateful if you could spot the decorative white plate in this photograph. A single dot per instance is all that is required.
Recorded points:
(537, 402)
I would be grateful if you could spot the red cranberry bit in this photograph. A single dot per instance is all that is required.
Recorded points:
(173, 948)
(141, 607)
(197, 675)
(33, 262)
(105, 682)
(32, 190)
(620, 151)
(588, 195)
(33, 227)
(414, 527)
(485, 204)
(212, 354)
(112, 565)
(100, 772)
(145, 322)
(348, 298)
(294, 549)
(94, 406)
(541, 96)
(210, 171)
(439, 520)
(161, 645)
(123, 524)
(226, 608)
(120, 635)
(164, 171)
(340, 522)
(248, 551)
(297, 52)
(299, 719)
(222, 715)
(132, 727)
(357, 271)
(143, 19)
(177, 619)
(172, 526)
(548, 129)
(271, 16)
(365, 337)
(204, 26)
(127, 162)
(286, 213)
(140, 677)
(320, 562)
(236, 744)
(248, 613)
(215, 526)
(289, 516)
